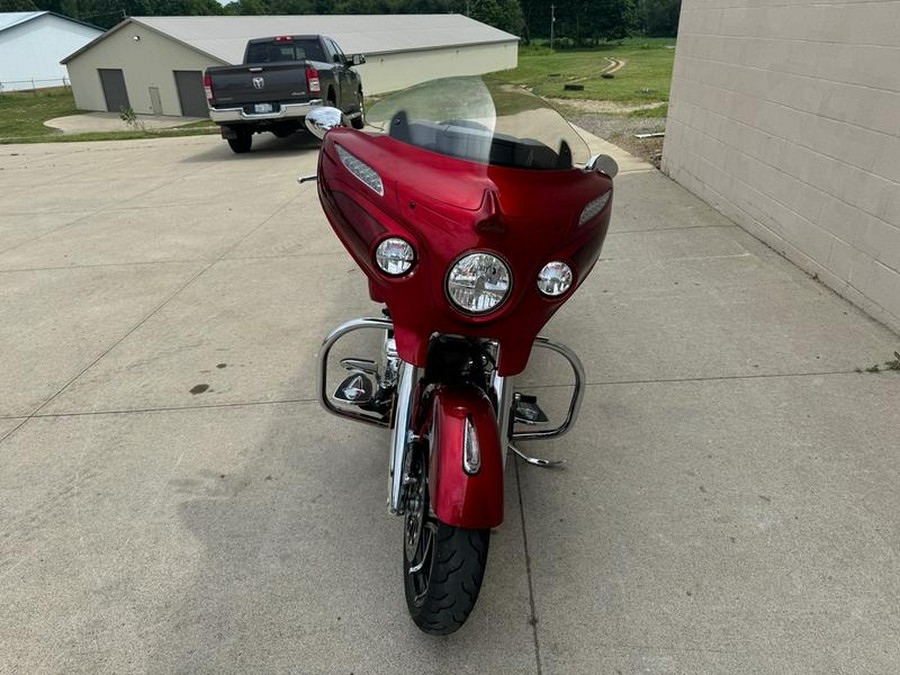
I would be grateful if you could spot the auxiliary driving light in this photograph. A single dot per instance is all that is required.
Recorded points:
(594, 207)
(555, 279)
(395, 256)
(478, 283)
(361, 170)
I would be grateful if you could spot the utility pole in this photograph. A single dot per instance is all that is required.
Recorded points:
(552, 21)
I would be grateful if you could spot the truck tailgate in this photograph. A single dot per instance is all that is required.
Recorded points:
(260, 83)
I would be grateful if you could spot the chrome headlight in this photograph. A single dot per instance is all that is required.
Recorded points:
(361, 170)
(555, 279)
(478, 283)
(395, 256)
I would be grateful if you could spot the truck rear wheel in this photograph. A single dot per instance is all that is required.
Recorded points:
(242, 142)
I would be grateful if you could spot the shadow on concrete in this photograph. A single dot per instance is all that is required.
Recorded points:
(299, 564)
(265, 146)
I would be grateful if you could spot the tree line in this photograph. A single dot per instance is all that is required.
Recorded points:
(586, 22)
(577, 22)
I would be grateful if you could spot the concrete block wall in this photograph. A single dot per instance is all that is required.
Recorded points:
(785, 115)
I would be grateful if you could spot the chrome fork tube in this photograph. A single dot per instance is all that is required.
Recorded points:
(503, 392)
(403, 407)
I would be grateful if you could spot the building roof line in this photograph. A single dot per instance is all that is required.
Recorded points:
(24, 18)
(513, 39)
(31, 16)
(97, 39)
(132, 20)
(203, 35)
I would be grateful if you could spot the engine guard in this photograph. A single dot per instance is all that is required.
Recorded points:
(463, 416)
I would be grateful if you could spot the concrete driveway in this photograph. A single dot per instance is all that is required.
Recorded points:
(173, 499)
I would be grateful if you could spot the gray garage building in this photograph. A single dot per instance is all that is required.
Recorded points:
(154, 65)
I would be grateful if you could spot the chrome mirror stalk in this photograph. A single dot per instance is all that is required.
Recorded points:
(603, 164)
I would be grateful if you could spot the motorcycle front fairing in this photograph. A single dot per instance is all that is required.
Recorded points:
(451, 188)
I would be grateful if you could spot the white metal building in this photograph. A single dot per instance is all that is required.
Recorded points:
(785, 116)
(32, 44)
(154, 65)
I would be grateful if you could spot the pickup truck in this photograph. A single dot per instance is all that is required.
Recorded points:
(281, 79)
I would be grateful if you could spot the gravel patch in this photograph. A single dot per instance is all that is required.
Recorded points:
(584, 106)
(620, 130)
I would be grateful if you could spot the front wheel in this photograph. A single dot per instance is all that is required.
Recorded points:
(443, 565)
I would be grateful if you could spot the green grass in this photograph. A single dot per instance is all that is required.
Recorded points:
(116, 135)
(22, 117)
(187, 130)
(200, 124)
(23, 113)
(456, 98)
(660, 111)
(644, 79)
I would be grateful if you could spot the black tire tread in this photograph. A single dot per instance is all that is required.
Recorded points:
(359, 122)
(458, 570)
(242, 143)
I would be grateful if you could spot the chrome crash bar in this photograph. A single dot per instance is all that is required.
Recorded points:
(577, 395)
(327, 344)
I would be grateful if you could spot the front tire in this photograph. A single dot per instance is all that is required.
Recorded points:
(443, 565)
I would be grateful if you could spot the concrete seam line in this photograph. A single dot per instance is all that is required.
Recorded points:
(133, 411)
(147, 318)
(534, 619)
(711, 378)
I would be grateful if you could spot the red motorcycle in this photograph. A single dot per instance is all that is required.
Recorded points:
(475, 212)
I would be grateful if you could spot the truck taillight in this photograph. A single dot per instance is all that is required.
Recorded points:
(312, 80)
(207, 87)
(284, 38)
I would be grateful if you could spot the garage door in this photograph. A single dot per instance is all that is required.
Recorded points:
(190, 93)
(113, 82)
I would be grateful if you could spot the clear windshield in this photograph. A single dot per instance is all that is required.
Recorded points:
(480, 121)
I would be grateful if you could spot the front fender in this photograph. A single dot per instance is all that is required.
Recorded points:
(472, 501)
